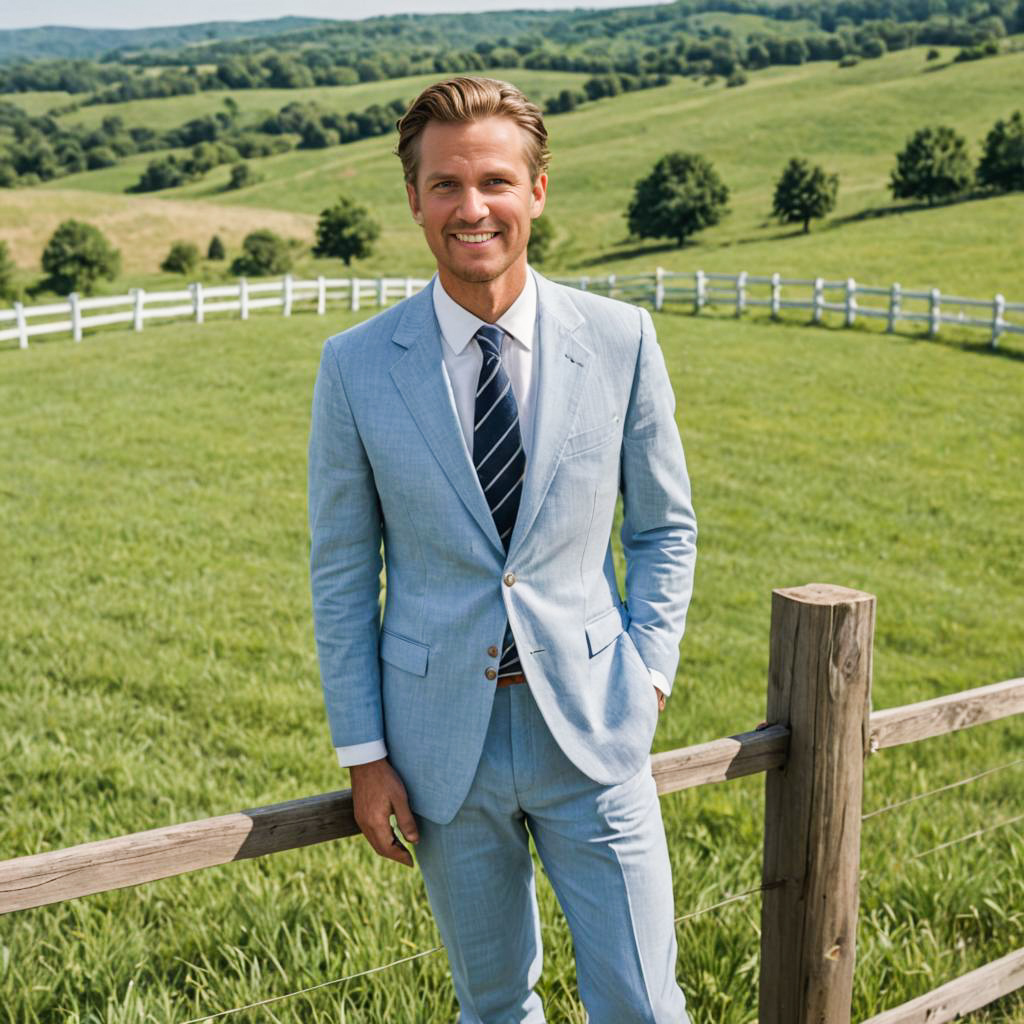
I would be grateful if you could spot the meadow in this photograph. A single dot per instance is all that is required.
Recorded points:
(850, 120)
(157, 663)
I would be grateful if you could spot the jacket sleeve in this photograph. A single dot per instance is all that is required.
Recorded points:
(345, 562)
(659, 529)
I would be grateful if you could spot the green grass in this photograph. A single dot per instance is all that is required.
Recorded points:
(851, 120)
(157, 662)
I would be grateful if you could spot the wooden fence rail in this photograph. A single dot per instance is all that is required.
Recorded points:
(739, 292)
(813, 753)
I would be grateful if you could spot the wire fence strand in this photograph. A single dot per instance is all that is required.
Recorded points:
(970, 835)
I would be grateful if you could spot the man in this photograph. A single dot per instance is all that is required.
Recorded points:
(481, 431)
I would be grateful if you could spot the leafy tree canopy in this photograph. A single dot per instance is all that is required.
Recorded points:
(1002, 163)
(183, 258)
(263, 253)
(77, 256)
(803, 192)
(933, 165)
(683, 194)
(345, 231)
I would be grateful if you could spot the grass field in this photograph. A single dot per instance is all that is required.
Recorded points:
(851, 120)
(157, 663)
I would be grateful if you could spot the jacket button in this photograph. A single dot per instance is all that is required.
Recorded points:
(492, 651)
(491, 673)
(509, 578)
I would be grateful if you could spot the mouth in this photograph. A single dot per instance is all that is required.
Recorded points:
(475, 237)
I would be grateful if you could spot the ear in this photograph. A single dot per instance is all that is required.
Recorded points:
(539, 195)
(414, 203)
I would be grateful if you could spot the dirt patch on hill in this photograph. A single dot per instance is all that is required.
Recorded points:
(141, 228)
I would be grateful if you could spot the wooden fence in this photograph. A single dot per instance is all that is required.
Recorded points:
(822, 732)
(738, 292)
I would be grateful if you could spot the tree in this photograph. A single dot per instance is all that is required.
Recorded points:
(1002, 163)
(77, 256)
(215, 250)
(933, 165)
(345, 230)
(183, 258)
(8, 291)
(164, 172)
(803, 192)
(541, 235)
(683, 194)
(263, 253)
(242, 175)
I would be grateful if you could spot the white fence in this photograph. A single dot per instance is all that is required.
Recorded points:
(738, 292)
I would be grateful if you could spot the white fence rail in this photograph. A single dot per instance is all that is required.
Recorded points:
(74, 315)
(738, 292)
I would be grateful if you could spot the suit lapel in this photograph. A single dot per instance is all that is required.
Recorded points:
(562, 367)
(419, 377)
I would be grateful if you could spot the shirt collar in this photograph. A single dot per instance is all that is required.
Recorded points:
(458, 325)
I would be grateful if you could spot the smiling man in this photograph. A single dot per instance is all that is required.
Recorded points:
(480, 434)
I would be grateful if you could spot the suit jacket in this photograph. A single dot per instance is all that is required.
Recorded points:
(391, 483)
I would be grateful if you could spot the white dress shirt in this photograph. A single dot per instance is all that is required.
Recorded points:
(461, 363)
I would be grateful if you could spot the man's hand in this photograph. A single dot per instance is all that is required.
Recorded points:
(377, 793)
(661, 700)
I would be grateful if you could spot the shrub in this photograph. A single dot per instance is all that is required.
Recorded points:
(242, 175)
(164, 172)
(263, 253)
(8, 291)
(76, 257)
(215, 250)
(539, 245)
(345, 231)
(183, 258)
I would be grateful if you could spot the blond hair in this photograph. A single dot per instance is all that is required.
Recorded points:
(466, 99)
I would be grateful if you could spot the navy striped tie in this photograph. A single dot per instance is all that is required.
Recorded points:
(498, 456)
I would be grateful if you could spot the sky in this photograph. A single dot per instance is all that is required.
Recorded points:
(132, 14)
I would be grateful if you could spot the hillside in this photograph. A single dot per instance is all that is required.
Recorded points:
(851, 120)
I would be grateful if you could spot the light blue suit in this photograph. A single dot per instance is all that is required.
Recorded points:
(388, 464)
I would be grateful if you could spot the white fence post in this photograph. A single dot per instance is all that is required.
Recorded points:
(584, 284)
(700, 291)
(895, 300)
(851, 302)
(998, 308)
(659, 289)
(19, 317)
(382, 291)
(611, 286)
(196, 289)
(741, 292)
(286, 295)
(355, 294)
(321, 295)
(776, 294)
(139, 308)
(818, 300)
(76, 316)
(408, 287)
(934, 312)
(243, 299)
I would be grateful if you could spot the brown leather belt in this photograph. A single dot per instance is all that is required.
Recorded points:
(511, 680)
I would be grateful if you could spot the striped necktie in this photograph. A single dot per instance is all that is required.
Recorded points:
(498, 456)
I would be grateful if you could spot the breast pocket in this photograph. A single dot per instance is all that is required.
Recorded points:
(594, 437)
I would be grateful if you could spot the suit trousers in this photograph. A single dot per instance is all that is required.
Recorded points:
(604, 851)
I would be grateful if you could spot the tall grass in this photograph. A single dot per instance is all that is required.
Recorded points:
(157, 663)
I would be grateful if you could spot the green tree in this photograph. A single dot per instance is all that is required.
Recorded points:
(182, 258)
(164, 172)
(803, 192)
(263, 253)
(242, 175)
(345, 231)
(215, 250)
(8, 291)
(933, 165)
(77, 256)
(1002, 162)
(541, 235)
(683, 194)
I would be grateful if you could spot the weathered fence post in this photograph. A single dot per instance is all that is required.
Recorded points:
(321, 295)
(998, 309)
(659, 288)
(895, 301)
(355, 294)
(776, 294)
(741, 292)
(934, 312)
(818, 300)
(139, 308)
(19, 320)
(76, 316)
(819, 684)
(196, 289)
(851, 302)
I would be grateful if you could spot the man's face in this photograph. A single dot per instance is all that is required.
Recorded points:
(474, 198)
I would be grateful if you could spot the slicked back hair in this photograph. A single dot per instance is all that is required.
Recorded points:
(465, 99)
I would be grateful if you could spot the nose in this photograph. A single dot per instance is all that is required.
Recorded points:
(473, 207)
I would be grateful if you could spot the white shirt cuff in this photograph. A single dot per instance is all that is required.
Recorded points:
(361, 753)
(659, 680)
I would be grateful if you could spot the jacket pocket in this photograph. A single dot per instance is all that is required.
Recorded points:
(403, 653)
(603, 629)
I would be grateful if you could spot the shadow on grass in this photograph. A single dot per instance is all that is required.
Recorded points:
(874, 212)
(616, 255)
